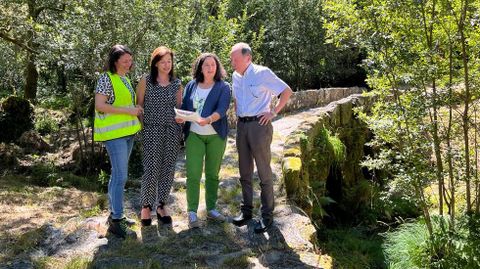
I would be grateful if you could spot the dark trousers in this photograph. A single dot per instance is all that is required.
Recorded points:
(253, 143)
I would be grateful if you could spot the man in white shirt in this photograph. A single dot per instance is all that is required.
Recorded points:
(253, 88)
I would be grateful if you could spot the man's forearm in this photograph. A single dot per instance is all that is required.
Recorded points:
(284, 96)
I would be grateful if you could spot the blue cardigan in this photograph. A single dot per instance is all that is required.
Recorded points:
(218, 100)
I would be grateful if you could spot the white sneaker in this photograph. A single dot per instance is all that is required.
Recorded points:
(215, 215)
(193, 221)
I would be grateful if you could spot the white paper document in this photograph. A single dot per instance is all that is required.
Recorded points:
(186, 115)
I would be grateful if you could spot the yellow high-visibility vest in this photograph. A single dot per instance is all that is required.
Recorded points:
(108, 126)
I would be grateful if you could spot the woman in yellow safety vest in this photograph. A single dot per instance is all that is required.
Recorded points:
(116, 123)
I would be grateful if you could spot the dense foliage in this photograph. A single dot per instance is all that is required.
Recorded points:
(57, 48)
(423, 64)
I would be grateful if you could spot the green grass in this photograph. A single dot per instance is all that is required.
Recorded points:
(50, 262)
(228, 171)
(28, 240)
(13, 190)
(18, 190)
(78, 263)
(339, 149)
(405, 247)
(44, 263)
(236, 262)
(228, 195)
(352, 248)
(410, 245)
(91, 212)
(47, 174)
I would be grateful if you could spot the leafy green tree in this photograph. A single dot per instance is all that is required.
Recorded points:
(420, 57)
(26, 25)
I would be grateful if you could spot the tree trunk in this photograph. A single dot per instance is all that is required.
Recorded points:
(477, 182)
(438, 154)
(31, 81)
(62, 79)
(428, 25)
(448, 138)
(465, 116)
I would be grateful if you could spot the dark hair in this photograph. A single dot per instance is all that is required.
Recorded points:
(197, 68)
(156, 56)
(115, 53)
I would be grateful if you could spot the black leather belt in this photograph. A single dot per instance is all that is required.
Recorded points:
(248, 119)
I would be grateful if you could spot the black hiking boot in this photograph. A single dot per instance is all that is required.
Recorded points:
(119, 227)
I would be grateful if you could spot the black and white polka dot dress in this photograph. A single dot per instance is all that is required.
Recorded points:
(161, 141)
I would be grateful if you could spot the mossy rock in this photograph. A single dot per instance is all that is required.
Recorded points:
(9, 154)
(292, 152)
(346, 113)
(291, 168)
(16, 117)
(331, 148)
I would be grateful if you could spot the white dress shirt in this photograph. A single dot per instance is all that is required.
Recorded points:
(253, 91)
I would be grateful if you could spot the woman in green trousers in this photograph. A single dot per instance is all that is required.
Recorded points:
(209, 96)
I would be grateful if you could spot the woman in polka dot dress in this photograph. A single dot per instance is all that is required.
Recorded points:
(158, 93)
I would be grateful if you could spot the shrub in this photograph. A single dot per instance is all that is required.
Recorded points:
(103, 179)
(352, 248)
(78, 263)
(411, 247)
(55, 102)
(91, 212)
(46, 125)
(43, 175)
(407, 247)
(396, 200)
(16, 117)
(47, 175)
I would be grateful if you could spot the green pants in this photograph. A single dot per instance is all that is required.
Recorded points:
(198, 148)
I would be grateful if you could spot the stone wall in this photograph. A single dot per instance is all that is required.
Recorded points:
(321, 164)
(316, 98)
(301, 100)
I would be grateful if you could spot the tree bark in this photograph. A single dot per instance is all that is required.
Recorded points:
(465, 114)
(449, 139)
(31, 78)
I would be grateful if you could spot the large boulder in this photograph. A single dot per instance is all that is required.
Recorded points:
(16, 117)
(33, 142)
(9, 154)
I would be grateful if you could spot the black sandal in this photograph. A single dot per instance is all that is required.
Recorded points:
(146, 222)
(163, 219)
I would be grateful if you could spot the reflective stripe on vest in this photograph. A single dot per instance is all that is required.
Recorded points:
(110, 126)
(116, 126)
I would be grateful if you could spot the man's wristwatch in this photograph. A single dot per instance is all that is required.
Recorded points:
(273, 113)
